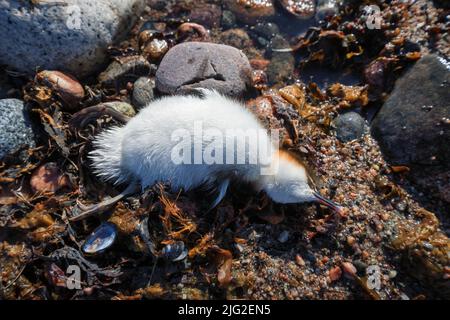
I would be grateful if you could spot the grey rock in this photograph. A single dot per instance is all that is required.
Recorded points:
(143, 92)
(411, 127)
(228, 19)
(360, 265)
(203, 65)
(281, 64)
(349, 126)
(267, 30)
(70, 36)
(15, 127)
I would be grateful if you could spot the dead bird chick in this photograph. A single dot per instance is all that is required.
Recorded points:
(192, 141)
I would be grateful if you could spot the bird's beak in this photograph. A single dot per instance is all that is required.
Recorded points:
(330, 204)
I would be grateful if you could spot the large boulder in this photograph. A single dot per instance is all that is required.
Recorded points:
(66, 35)
(413, 126)
(16, 129)
(204, 65)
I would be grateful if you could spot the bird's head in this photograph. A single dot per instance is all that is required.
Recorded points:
(290, 183)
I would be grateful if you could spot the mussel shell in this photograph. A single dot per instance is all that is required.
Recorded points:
(100, 239)
(175, 251)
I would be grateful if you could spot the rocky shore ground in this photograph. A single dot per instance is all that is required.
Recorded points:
(358, 89)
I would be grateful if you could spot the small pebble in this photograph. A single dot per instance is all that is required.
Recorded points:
(349, 269)
(228, 19)
(16, 128)
(335, 273)
(428, 246)
(392, 274)
(299, 260)
(351, 241)
(143, 92)
(283, 237)
(361, 266)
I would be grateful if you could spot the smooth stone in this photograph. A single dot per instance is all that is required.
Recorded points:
(15, 127)
(349, 126)
(267, 30)
(413, 125)
(69, 36)
(192, 65)
(143, 92)
(281, 65)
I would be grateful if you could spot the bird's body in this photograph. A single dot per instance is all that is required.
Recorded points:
(182, 139)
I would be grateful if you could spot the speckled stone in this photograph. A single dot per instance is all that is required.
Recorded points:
(15, 127)
(70, 36)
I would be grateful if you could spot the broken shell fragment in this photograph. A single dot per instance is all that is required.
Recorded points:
(122, 107)
(123, 70)
(303, 9)
(175, 251)
(156, 49)
(101, 239)
(65, 86)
